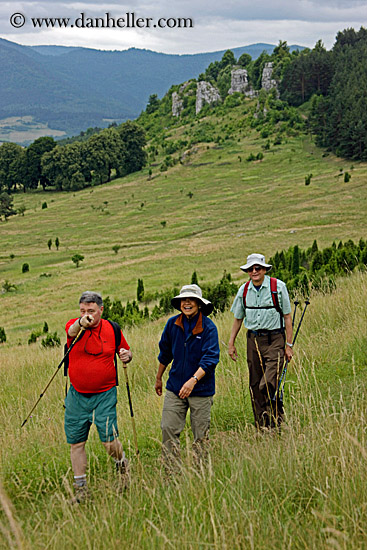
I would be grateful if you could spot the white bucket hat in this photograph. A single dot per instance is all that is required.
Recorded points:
(192, 291)
(255, 259)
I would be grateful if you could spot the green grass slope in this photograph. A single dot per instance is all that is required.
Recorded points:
(236, 207)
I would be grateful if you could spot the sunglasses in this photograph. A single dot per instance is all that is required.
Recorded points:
(256, 268)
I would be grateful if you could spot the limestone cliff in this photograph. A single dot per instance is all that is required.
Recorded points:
(206, 93)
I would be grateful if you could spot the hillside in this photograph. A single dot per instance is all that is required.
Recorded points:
(204, 213)
(71, 89)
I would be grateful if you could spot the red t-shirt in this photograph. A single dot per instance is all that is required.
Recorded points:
(91, 361)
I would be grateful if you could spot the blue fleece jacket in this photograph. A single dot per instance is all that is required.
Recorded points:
(199, 348)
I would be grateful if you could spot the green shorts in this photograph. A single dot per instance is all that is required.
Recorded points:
(82, 411)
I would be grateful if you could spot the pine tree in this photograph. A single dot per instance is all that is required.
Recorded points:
(194, 278)
(140, 290)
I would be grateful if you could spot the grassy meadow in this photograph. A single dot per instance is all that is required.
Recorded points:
(305, 489)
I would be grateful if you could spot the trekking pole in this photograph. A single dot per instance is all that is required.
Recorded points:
(53, 376)
(131, 410)
(296, 302)
(284, 373)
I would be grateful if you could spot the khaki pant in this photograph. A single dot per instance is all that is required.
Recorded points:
(174, 419)
(265, 358)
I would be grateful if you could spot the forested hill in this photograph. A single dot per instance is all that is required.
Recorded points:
(336, 82)
(72, 89)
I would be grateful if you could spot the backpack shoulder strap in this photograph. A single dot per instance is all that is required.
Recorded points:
(117, 333)
(274, 294)
(275, 298)
(245, 290)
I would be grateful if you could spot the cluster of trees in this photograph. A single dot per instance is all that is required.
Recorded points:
(76, 165)
(219, 72)
(50, 340)
(302, 270)
(219, 294)
(309, 72)
(336, 83)
(339, 118)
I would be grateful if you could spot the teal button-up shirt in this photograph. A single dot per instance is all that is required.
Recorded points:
(261, 319)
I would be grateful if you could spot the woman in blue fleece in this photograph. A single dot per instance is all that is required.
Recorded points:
(190, 342)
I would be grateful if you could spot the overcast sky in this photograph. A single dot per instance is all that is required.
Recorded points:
(217, 24)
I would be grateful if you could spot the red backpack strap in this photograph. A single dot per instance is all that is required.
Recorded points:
(275, 298)
(245, 290)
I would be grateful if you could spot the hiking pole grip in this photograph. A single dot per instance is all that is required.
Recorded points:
(296, 302)
(55, 373)
(131, 409)
(307, 302)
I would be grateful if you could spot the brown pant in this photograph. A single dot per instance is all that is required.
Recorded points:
(265, 358)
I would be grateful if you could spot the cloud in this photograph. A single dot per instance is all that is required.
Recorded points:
(225, 25)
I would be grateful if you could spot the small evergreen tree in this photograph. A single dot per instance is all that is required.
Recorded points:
(49, 243)
(194, 278)
(140, 290)
(57, 243)
(295, 260)
(2, 335)
(51, 341)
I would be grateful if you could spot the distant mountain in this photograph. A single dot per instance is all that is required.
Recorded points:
(72, 88)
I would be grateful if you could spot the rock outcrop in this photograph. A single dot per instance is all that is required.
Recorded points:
(240, 83)
(206, 93)
(177, 104)
(267, 82)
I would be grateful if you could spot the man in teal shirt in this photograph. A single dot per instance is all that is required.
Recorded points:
(269, 338)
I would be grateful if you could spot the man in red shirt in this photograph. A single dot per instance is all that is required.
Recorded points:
(93, 396)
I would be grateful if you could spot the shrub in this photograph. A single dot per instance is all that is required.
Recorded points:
(2, 335)
(8, 286)
(25, 268)
(44, 205)
(77, 258)
(308, 179)
(34, 336)
(116, 248)
(140, 290)
(51, 341)
(347, 177)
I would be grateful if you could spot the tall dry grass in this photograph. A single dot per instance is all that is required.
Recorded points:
(304, 489)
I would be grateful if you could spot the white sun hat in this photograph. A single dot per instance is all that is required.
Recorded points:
(255, 259)
(192, 291)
